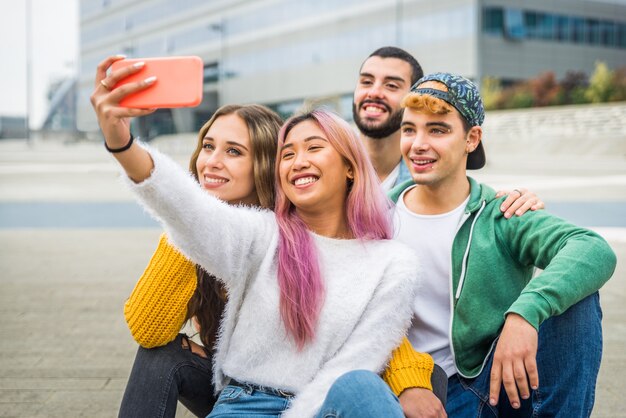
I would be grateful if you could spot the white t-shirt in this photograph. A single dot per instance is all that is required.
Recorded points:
(390, 180)
(431, 236)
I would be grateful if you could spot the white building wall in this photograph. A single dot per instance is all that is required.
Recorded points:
(276, 51)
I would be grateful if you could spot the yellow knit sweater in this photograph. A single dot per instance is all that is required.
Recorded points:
(157, 308)
(408, 369)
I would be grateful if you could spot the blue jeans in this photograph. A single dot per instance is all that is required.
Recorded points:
(235, 401)
(360, 394)
(356, 394)
(363, 394)
(163, 376)
(568, 360)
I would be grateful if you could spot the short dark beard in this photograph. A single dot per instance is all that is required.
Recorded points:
(382, 131)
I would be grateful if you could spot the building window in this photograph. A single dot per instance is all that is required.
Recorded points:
(539, 25)
(545, 26)
(493, 21)
(593, 31)
(516, 24)
(607, 34)
(286, 109)
(530, 22)
(621, 35)
(563, 28)
(211, 73)
(579, 32)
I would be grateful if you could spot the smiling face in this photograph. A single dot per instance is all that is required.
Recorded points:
(313, 174)
(435, 146)
(382, 84)
(225, 164)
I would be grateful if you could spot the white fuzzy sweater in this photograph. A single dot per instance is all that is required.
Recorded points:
(369, 287)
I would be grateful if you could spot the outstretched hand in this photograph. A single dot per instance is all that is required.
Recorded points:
(514, 361)
(114, 120)
(518, 202)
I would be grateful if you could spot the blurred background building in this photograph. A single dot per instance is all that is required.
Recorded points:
(13, 127)
(61, 117)
(284, 52)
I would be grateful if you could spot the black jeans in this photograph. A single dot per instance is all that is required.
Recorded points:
(163, 376)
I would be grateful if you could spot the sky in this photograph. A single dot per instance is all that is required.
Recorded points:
(54, 53)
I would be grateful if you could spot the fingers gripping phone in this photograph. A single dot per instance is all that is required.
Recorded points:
(178, 84)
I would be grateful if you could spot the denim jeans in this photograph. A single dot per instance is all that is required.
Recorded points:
(164, 375)
(236, 401)
(568, 360)
(360, 394)
(356, 394)
(363, 394)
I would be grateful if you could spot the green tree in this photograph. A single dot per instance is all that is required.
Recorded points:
(600, 84)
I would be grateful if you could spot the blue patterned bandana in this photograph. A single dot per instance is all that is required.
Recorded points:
(463, 95)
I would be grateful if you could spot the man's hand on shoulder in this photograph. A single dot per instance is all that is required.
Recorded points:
(518, 202)
(421, 403)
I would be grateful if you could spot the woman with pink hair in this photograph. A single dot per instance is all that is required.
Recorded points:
(315, 290)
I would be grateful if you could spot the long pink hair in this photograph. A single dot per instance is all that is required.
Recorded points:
(299, 277)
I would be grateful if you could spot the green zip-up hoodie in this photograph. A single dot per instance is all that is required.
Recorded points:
(493, 259)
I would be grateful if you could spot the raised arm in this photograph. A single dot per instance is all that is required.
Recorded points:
(157, 307)
(114, 120)
(191, 217)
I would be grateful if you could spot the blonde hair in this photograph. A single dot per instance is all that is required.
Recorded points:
(430, 104)
(426, 103)
(263, 125)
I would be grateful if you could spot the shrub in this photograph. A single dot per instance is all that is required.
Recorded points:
(544, 90)
(619, 81)
(491, 92)
(600, 84)
(573, 88)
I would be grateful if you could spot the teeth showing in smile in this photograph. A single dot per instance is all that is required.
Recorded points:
(214, 180)
(423, 162)
(304, 180)
(373, 109)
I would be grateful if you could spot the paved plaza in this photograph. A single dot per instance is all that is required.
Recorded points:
(73, 243)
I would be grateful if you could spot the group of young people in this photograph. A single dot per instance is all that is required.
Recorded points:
(307, 285)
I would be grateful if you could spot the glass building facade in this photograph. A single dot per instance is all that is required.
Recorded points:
(518, 24)
(284, 53)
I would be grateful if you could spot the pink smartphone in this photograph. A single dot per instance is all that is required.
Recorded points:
(178, 84)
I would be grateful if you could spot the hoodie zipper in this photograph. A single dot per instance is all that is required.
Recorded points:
(464, 264)
(454, 299)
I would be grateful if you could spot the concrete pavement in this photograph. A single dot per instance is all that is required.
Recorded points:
(65, 350)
